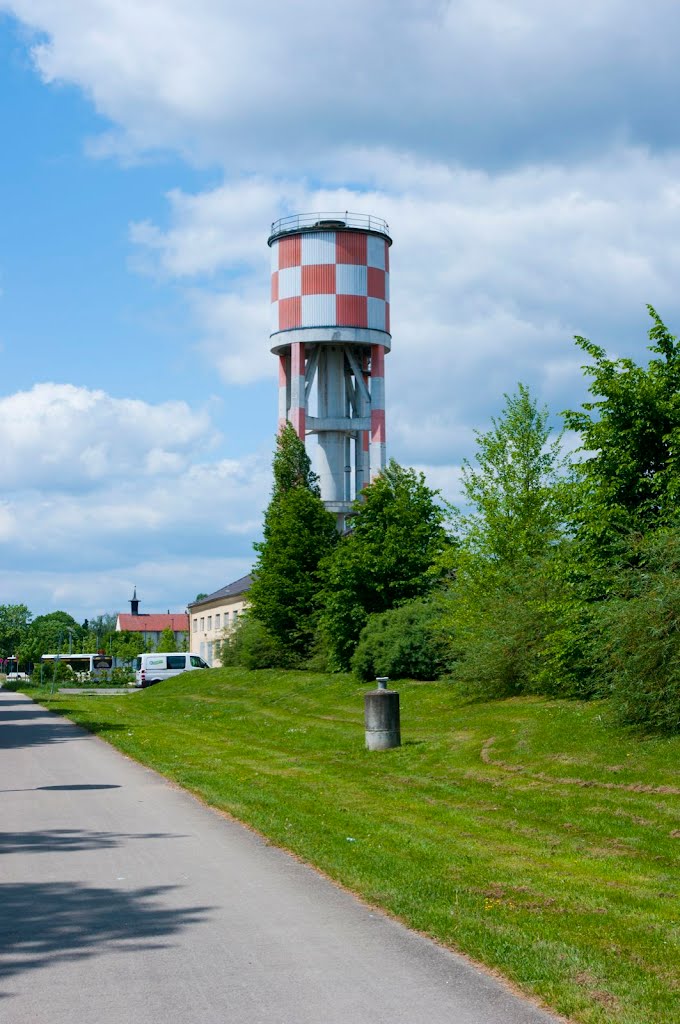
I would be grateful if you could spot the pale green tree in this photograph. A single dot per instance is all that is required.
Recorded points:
(166, 641)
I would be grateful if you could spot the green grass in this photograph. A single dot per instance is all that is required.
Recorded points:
(549, 854)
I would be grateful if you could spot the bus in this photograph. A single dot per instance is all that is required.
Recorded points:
(82, 664)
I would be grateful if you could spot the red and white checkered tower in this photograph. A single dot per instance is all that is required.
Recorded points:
(331, 330)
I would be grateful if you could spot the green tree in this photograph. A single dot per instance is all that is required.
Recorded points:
(14, 622)
(638, 643)
(49, 634)
(397, 533)
(166, 641)
(630, 433)
(515, 619)
(628, 527)
(126, 645)
(298, 533)
(100, 626)
(518, 492)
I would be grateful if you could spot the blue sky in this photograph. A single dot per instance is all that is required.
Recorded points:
(525, 156)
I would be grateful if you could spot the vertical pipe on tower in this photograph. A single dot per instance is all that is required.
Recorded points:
(361, 441)
(284, 389)
(377, 450)
(297, 388)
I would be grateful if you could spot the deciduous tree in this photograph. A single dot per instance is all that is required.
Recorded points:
(49, 634)
(630, 434)
(518, 492)
(14, 623)
(166, 641)
(397, 533)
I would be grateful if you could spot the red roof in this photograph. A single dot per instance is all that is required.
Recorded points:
(178, 622)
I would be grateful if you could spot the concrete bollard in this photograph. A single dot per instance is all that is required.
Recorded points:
(381, 715)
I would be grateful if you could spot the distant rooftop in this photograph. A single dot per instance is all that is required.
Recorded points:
(153, 622)
(329, 222)
(231, 590)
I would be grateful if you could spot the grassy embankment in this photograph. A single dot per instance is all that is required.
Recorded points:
(531, 835)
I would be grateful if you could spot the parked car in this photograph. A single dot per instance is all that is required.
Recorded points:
(153, 668)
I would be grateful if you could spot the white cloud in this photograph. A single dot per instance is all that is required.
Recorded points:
(69, 437)
(238, 83)
(100, 493)
(445, 479)
(492, 274)
(221, 501)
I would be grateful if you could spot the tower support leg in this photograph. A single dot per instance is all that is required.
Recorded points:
(377, 448)
(297, 388)
(332, 406)
(284, 389)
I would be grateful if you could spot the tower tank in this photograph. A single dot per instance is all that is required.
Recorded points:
(330, 331)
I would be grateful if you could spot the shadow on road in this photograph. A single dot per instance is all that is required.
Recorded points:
(77, 787)
(47, 923)
(33, 726)
(26, 714)
(38, 734)
(65, 840)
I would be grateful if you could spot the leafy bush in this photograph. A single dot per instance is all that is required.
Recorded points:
(385, 559)
(320, 657)
(252, 646)
(639, 640)
(122, 676)
(520, 628)
(401, 644)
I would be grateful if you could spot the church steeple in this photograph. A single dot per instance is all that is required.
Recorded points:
(134, 603)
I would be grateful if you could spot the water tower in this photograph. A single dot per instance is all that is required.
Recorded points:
(331, 330)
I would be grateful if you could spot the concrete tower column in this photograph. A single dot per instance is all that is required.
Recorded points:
(331, 396)
(297, 388)
(284, 388)
(377, 448)
(361, 466)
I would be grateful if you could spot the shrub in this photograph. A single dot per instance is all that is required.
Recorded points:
(252, 646)
(401, 644)
(120, 677)
(520, 628)
(639, 640)
(320, 657)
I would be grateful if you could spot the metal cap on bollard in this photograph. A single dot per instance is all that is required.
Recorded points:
(381, 716)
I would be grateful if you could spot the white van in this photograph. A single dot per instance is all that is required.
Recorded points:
(152, 668)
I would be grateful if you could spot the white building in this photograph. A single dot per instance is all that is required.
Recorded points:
(209, 617)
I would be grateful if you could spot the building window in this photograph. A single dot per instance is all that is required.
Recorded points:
(217, 620)
(195, 625)
(202, 624)
(210, 622)
(235, 616)
(209, 659)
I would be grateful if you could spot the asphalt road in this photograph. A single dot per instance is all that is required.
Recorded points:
(124, 899)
